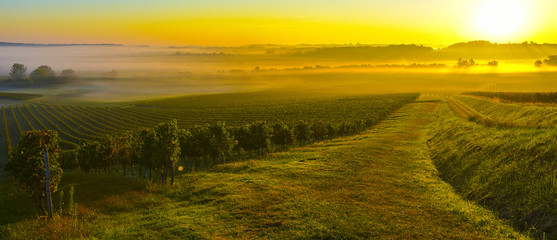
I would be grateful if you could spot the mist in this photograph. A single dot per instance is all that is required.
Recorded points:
(115, 73)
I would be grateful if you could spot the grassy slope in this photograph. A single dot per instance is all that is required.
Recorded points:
(380, 184)
(513, 114)
(511, 170)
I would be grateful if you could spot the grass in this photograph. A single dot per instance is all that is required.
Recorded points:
(509, 114)
(510, 170)
(19, 96)
(377, 185)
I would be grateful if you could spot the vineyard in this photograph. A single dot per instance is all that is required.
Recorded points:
(487, 150)
(78, 124)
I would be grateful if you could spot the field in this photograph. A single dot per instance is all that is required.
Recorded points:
(484, 160)
(278, 119)
(78, 123)
(287, 144)
(410, 155)
(380, 184)
(506, 162)
(501, 139)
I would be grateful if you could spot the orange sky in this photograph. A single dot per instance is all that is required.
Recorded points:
(227, 22)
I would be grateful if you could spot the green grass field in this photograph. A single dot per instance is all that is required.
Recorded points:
(380, 184)
(425, 172)
(508, 166)
(513, 114)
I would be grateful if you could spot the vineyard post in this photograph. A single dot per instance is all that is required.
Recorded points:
(47, 181)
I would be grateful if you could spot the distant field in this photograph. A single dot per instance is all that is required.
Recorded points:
(19, 96)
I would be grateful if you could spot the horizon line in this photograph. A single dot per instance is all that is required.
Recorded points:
(23, 44)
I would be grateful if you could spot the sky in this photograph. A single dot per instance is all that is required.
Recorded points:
(230, 23)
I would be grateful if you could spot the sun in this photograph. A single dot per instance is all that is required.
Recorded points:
(501, 19)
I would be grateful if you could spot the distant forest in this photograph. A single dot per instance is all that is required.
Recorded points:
(474, 49)
(413, 52)
(10, 44)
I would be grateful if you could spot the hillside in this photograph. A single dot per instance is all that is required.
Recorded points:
(380, 184)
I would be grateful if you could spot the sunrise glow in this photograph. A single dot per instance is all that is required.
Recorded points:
(288, 22)
(502, 18)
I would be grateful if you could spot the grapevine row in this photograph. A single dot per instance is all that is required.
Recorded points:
(16, 121)
(81, 135)
(25, 117)
(57, 128)
(81, 123)
(126, 124)
(67, 144)
(6, 131)
(79, 118)
(94, 119)
(68, 118)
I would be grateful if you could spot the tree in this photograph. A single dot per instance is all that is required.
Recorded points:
(27, 164)
(319, 131)
(222, 142)
(168, 148)
(143, 148)
(68, 159)
(465, 63)
(112, 75)
(331, 131)
(201, 142)
(259, 137)
(241, 134)
(282, 136)
(551, 60)
(123, 148)
(68, 75)
(187, 146)
(43, 74)
(106, 153)
(538, 63)
(89, 156)
(493, 63)
(303, 132)
(471, 62)
(17, 73)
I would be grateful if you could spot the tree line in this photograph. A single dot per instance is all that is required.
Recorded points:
(158, 149)
(199, 147)
(42, 74)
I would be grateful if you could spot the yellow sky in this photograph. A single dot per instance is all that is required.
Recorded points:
(229, 22)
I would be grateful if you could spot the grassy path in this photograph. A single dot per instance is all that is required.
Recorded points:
(377, 185)
(460, 109)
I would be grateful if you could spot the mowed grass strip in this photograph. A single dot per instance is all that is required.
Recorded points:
(513, 114)
(377, 185)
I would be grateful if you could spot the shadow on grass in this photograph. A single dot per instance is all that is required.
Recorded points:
(109, 192)
(90, 187)
(15, 202)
